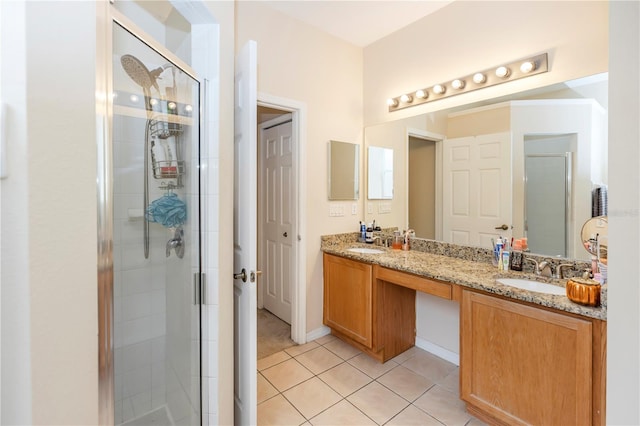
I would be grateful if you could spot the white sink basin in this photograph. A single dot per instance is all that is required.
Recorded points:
(364, 250)
(533, 286)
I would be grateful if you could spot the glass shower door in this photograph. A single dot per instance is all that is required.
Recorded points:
(156, 250)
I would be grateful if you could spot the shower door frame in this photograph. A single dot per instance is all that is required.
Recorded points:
(107, 16)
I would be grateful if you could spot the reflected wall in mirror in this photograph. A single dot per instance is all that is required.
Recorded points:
(380, 173)
(564, 124)
(343, 182)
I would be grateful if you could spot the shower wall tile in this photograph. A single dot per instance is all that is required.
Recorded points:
(158, 325)
(117, 282)
(136, 330)
(158, 375)
(136, 306)
(136, 381)
(212, 296)
(133, 257)
(158, 279)
(126, 202)
(158, 302)
(212, 253)
(158, 349)
(131, 181)
(117, 309)
(135, 281)
(136, 356)
(158, 396)
(141, 403)
(129, 129)
(212, 218)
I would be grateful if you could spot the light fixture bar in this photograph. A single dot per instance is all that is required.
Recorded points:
(490, 77)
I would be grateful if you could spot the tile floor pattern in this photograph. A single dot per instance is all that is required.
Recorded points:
(328, 382)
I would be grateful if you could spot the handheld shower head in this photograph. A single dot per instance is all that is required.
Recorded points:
(139, 73)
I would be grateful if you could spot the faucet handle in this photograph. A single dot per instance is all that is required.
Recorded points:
(536, 265)
(559, 269)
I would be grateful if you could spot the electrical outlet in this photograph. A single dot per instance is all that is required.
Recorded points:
(370, 208)
(354, 208)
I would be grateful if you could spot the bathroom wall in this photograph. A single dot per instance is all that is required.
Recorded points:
(49, 215)
(464, 37)
(300, 63)
(623, 317)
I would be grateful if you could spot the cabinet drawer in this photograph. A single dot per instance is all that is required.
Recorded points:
(425, 285)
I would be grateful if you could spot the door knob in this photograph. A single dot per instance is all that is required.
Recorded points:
(285, 235)
(241, 276)
(504, 227)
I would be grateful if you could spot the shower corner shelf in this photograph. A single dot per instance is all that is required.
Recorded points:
(164, 127)
(168, 169)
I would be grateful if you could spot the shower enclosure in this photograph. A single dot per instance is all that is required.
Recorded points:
(155, 197)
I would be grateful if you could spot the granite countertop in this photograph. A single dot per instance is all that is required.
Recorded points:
(480, 275)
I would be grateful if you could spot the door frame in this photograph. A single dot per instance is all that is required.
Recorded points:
(438, 139)
(298, 111)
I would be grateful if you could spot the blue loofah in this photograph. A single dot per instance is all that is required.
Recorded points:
(168, 210)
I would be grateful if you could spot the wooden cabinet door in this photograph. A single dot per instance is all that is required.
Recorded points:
(348, 298)
(524, 365)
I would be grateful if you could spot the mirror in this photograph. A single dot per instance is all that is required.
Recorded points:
(525, 119)
(594, 234)
(343, 170)
(380, 173)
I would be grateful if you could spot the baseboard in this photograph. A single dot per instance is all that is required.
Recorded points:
(318, 333)
(438, 351)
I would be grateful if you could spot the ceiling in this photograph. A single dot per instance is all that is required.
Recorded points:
(360, 22)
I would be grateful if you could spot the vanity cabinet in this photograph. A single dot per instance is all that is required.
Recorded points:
(526, 365)
(371, 314)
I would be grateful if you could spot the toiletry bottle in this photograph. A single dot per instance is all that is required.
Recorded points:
(369, 234)
(516, 256)
(497, 254)
(505, 259)
(396, 244)
(363, 232)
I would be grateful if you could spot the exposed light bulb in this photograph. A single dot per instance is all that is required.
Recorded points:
(502, 72)
(406, 99)
(457, 84)
(171, 105)
(134, 99)
(392, 102)
(527, 67)
(479, 78)
(153, 102)
(439, 89)
(422, 94)
(188, 108)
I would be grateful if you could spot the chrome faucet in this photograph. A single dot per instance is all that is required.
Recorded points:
(176, 243)
(543, 268)
(377, 240)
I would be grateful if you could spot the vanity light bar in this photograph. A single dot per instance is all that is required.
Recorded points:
(497, 75)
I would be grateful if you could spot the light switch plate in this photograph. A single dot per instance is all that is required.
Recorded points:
(354, 208)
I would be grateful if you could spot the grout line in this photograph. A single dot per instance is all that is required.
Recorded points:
(372, 379)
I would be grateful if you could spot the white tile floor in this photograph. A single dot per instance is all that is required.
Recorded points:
(328, 382)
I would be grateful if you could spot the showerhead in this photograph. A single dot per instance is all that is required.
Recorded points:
(139, 72)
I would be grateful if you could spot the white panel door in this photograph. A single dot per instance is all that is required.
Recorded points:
(277, 151)
(476, 189)
(245, 237)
